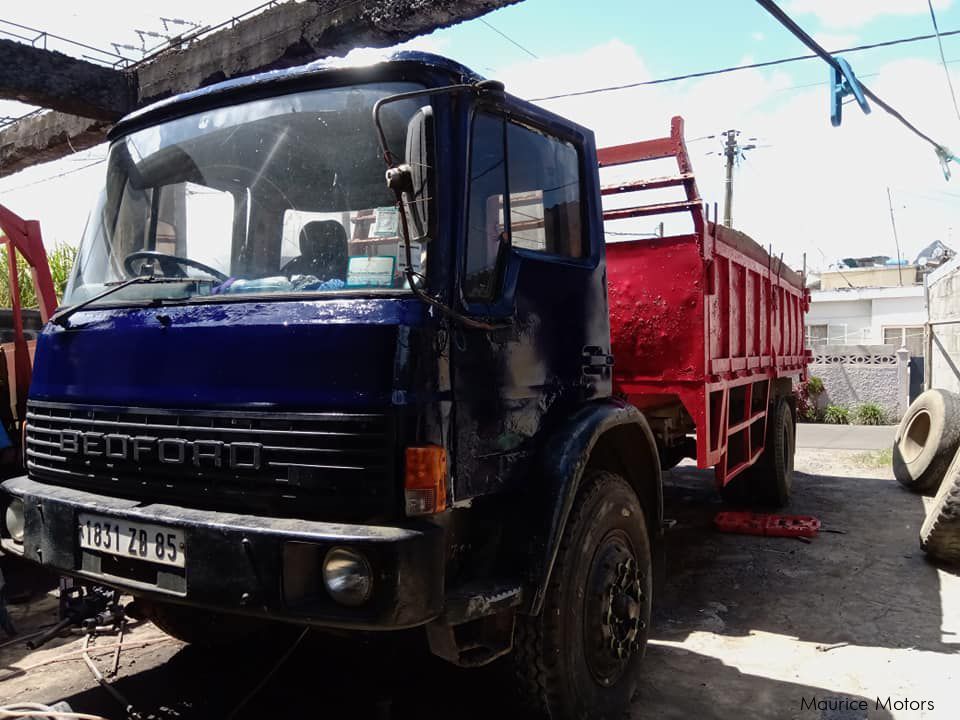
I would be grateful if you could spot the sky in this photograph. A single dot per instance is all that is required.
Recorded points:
(807, 189)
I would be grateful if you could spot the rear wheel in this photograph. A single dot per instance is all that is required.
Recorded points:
(770, 480)
(580, 657)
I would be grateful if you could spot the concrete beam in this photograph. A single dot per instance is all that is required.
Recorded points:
(294, 33)
(45, 137)
(288, 34)
(53, 80)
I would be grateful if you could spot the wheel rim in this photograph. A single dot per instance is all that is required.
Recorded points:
(915, 437)
(615, 609)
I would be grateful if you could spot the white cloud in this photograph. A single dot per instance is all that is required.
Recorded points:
(757, 36)
(855, 13)
(836, 41)
(815, 187)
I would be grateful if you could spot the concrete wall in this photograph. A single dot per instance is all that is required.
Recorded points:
(869, 277)
(943, 285)
(857, 374)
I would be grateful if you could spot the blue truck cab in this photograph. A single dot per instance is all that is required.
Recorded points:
(336, 352)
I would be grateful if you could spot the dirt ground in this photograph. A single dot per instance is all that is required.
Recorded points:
(745, 627)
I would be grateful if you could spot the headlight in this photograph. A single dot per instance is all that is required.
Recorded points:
(13, 518)
(347, 576)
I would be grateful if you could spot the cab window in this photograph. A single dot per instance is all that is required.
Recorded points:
(524, 193)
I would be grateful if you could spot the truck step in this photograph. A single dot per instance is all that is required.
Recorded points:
(475, 600)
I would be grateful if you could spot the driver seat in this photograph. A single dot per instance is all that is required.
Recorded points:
(323, 251)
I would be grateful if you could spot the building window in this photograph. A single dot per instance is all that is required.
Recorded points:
(910, 337)
(816, 335)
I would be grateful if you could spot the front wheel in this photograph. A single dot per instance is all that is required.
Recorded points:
(580, 657)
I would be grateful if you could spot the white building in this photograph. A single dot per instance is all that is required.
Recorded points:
(868, 316)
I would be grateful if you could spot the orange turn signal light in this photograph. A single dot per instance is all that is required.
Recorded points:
(425, 481)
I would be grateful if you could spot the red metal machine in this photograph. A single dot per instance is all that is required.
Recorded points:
(23, 236)
(706, 327)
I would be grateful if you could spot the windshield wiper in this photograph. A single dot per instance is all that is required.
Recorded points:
(60, 318)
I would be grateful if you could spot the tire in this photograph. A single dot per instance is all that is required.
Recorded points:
(203, 628)
(940, 532)
(580, 657)
(770, 480)
(926, 440)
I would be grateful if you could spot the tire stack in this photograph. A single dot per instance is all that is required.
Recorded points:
(926, 460)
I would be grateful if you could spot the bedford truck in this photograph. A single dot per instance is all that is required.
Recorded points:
(345, 346)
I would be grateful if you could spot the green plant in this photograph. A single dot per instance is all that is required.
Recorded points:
(870, 413)
(836, 415)
(807, 394)
(815, 385)
(61, 259)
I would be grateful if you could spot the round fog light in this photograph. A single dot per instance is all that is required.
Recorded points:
(347, 576)
(13, 518)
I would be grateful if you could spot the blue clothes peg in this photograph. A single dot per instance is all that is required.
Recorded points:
(843, 82)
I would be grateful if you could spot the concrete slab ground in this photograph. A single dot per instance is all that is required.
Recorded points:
(845, 437)
(745, 627)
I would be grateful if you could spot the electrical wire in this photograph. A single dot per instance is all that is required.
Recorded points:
(57, 176)
(509, 39)
(15, 671)
(269, 676)
(39, 710)
(737, 68)
(943, 59)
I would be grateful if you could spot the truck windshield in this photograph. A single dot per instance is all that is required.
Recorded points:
(274, 196)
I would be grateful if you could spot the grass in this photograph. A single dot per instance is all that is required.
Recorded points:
(875, 458)
(61, 259)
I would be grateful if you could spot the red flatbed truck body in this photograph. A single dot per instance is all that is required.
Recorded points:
(707, 320)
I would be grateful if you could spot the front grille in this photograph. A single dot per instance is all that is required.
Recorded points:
(307, 464)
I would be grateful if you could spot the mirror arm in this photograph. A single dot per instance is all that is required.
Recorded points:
(400, 180)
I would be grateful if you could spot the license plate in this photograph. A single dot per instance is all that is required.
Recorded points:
(141, 541)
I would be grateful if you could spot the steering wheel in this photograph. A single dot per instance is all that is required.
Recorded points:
(170, 265)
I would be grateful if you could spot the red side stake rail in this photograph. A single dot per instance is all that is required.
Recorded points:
(706, 321)
(23, 236)
(748, 523)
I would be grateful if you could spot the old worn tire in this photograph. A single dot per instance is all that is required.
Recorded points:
(926, 440)
(203, 628)
(563, 663)
(940, 532)
(770, 481)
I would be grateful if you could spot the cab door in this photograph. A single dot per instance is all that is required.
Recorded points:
(532, 267)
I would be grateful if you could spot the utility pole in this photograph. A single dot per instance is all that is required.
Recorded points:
(730, 153)
(733, 152)
(896, 240)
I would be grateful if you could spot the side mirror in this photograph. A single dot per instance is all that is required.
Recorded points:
(419, 157)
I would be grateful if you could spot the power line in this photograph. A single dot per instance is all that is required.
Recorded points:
(750, 66)
(509, 39)
(943, 59)
(55, 177)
